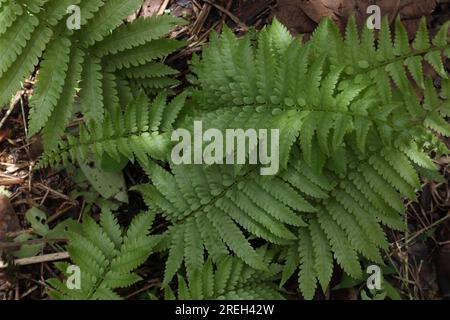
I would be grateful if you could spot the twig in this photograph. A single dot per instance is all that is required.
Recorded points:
(18, 233)
(436, 223)
(44, 198)
(24, 118)
(163, 7)
(151, 284)
(58, 214)
(10, 181)
(13, 103)
(229, 14)
(39, 259)
(28, 292)
(201, 18)
(59, 194)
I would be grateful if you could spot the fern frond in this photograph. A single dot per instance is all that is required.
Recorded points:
(229, 279)
(107, 18)
(91, 95)
(349, 144)
(106, 258)
(23, 64)
(89, 10)
(307, 274)
(150, 70)
(13, 41)
(63, 110)
(224, 201)
(133, 134)
(351, 149)
(9, 13)
(143, 54)
(50, 83)
(136, 34)
(35, 28)
(323, 256)
(54, 11)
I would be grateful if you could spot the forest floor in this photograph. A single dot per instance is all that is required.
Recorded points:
(420, 258)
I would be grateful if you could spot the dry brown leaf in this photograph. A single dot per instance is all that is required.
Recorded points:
(317, 10)
(4, 134)
(414, 9)
(291, 14)
(302, 16)
(8, 218)
(36, 147)
(151, 7)
(248, 10)
(8, 223)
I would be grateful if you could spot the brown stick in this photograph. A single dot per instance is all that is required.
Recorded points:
(38, 259)
(228, 13)
(163, 7)
(14, 101)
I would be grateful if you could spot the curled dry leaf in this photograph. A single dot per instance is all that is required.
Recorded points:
(317, 10)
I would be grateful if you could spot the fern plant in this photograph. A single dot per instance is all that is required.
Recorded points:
(106, 257)
(230, 279)
(139, 131)
(102, 62)
(357, 120)
(354, 136)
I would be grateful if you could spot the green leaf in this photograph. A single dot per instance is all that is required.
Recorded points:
(37, 219)
(108, 184)
(422, 40)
